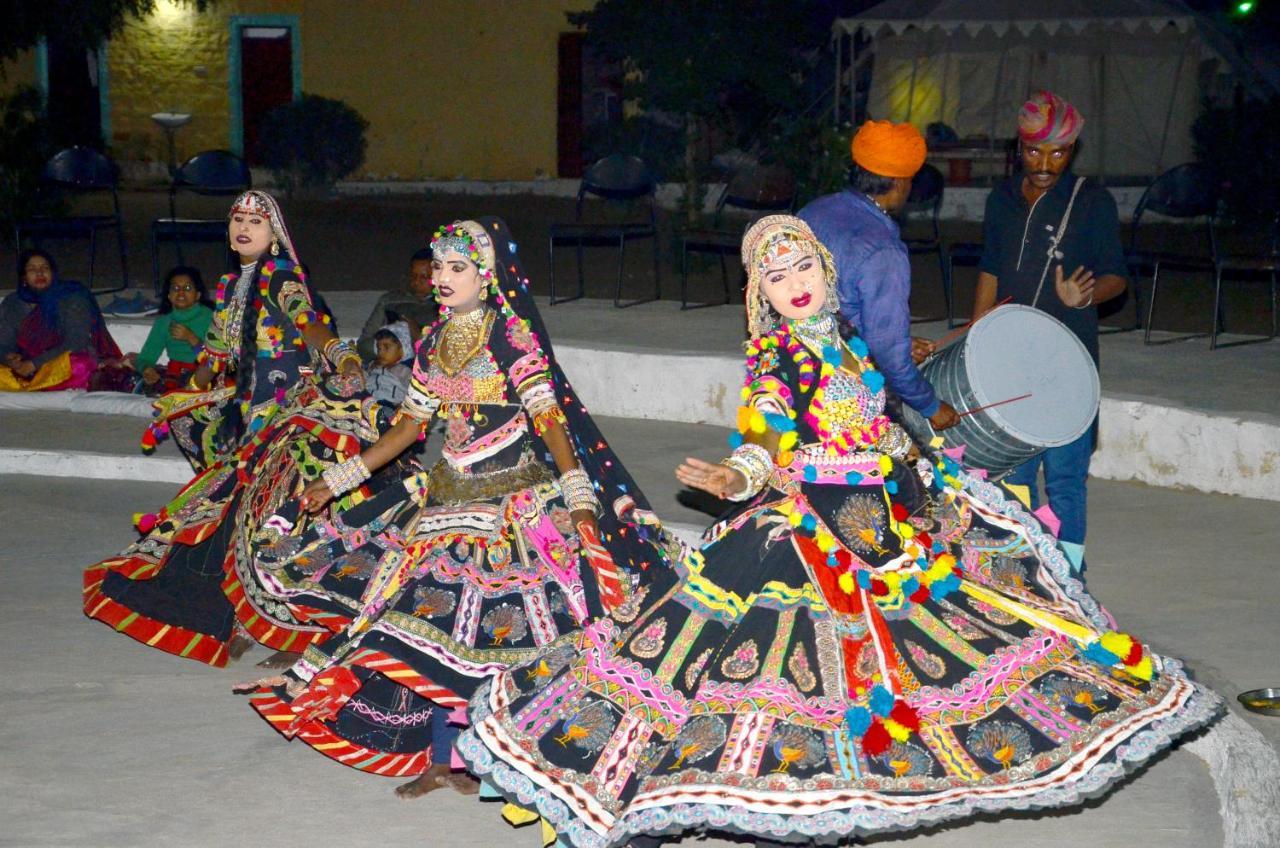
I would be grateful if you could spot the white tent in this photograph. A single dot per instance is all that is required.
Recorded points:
(1136, 71)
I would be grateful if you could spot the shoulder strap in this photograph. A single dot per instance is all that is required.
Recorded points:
(1053, 252)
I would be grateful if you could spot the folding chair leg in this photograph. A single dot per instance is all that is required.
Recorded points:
(724, 278)
(1151, 307)
(622, 256)
(684, 274)
(1217, 308)
(93, 249)
(948, 293)
(124, 255)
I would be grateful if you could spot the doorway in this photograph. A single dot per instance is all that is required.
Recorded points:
(73, 92)
(265, 73)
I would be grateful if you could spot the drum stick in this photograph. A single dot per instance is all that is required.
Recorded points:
(997, 403)
(959, 331)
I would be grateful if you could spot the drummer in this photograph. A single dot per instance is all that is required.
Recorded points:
(872, 263)
(1052, 241)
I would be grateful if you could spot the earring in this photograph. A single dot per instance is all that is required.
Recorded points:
(275, 247)
(484, 294)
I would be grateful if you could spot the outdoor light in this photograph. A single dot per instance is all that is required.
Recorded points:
(1245, 7)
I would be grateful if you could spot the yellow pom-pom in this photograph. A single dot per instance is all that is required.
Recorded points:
(886, 465)
(1143, 669)
(744, 418)
(825, 541)
(788, 440)
(794, 519)
(1117, 643)
(899, 732)
(847, 583)
(758, 425)
(892, 579)
(945, 561)
(905, 530)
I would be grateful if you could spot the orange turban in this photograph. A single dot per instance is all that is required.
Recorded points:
(889, 149)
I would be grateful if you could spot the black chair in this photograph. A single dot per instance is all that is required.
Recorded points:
(619, 179)
(83, 171)
(1184, 193)
(1246, 269)
(755, 191)
(964, 253)
(926, 197)
(212, 173)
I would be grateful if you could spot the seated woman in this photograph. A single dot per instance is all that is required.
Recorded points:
(294, 408)
(52, 335)
(494, 554)
(866, 643)
(185, 315)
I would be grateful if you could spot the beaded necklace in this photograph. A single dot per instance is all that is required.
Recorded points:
(233, 327)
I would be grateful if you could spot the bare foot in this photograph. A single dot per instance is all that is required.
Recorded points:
(423, 783)
(250, 686)
(280, 659)
(238, 645)
(460, 782)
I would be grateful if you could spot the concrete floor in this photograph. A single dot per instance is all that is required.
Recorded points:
(107, 743)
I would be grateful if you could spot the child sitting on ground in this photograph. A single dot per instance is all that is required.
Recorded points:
(185, 315)
(387, 378)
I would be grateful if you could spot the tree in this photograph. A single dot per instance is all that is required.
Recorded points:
(88, 22)
(720, 66)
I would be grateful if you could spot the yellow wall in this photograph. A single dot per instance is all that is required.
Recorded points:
(451, 88)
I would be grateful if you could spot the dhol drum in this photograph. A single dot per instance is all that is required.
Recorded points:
(1012, 352)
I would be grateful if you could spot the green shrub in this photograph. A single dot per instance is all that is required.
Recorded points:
(312, 142)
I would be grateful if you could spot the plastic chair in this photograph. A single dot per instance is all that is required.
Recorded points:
(80, 170)
(618, 179)
(756, 191)
(1184, 192)
(926, 196)
(211, 173)
(1246, 269)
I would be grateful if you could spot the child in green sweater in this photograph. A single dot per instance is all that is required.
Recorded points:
(185, 315)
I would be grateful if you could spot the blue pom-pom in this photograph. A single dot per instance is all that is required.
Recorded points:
(891, 486)
(853, 478)
(858, 347)
(881, 701)
(910, 585)
(810, 474)
(938, 547)
(779, 423)
(1100, 655)
(858, 719)
(831, 355)
(863, 579)
(873, 380)
(832, 561)
(809, 523)
(511, 246)
(735, 440)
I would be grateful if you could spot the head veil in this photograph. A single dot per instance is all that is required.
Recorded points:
(628, 527)
(775, 238)
(254, 202)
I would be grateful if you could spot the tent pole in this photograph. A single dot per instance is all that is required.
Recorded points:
(1173, 98)
(911, 89)
(835, 105)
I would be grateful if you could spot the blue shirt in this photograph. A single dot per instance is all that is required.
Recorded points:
(874, 283)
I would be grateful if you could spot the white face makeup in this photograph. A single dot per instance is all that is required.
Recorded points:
(796, 289)
(457, 281)
(250, 235)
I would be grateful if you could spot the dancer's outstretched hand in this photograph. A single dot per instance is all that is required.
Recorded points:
(316, 496)
(720, 480)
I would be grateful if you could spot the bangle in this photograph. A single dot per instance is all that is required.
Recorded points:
(577, 491)
(1087, 303)
(337, 351)
(755, 464)
(345, 476)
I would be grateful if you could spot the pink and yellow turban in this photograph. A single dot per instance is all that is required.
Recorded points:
(1048, 119)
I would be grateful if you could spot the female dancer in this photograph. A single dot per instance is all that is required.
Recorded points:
(864, 644)
(472, 567)
(184, 584)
